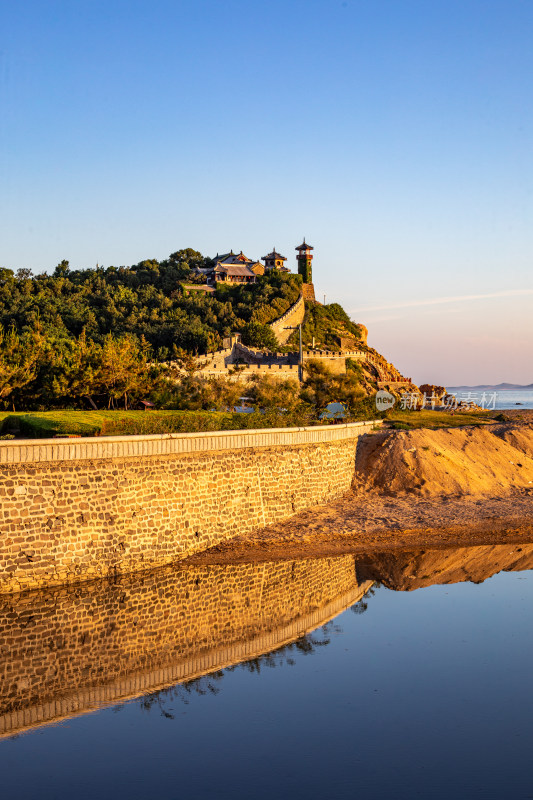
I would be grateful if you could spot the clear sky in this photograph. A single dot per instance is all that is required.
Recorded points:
(395, 135)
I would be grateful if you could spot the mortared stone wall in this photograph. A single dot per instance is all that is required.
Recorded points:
(72, 510)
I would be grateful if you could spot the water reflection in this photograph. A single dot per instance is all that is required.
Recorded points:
(210, 684)
(406, 570)
(169, 634)
(73, 650)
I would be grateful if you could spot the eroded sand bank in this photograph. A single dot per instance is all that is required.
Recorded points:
(470, 486)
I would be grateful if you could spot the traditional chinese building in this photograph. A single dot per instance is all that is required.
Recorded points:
(304, 259)
(275, 260)
(237, 268)
(232, 268)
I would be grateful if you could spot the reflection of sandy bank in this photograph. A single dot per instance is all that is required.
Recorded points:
(66, 652)
(414, 569)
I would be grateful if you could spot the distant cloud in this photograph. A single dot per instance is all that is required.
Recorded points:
(385, 318)
(434, 301)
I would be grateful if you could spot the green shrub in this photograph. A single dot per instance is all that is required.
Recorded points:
(50, 424)
(255, 334)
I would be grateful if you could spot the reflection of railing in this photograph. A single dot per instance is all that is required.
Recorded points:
(201, 628)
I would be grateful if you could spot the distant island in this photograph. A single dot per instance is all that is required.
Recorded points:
(500, 387)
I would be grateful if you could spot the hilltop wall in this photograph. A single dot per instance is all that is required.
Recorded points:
(282, 327)
(80, 509)
(241, 361)
(245, 362)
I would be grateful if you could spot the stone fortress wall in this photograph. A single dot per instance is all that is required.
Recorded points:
(240, 361)
(72, 510)
(68, 651)
(293, 317)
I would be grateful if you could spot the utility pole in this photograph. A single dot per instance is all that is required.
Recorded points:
(300, 353)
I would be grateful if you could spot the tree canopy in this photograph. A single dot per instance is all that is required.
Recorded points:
(88, 336)
(149, 299)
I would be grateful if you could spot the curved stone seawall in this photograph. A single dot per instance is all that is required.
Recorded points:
(81, 509)
(69, 651)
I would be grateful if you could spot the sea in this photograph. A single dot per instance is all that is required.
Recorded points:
(495, 399)
(394, 675)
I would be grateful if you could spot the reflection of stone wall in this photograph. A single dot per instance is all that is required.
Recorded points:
(68, 650)
(72, 511)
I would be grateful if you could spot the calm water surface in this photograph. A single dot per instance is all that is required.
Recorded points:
(503, 400)
(419, 688)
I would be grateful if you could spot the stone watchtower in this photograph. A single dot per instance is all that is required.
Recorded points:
(305, 269)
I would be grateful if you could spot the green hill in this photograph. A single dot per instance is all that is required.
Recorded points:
(100, 337)
(147, 300)
(330, 328)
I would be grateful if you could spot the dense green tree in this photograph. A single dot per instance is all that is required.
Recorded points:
(80, 336)
(322, 386)
(19, 358)
(123, 369)
(222, 394)
(62, 269)
(262, 336)
(268, 392)
(326, 323)
(71, 371)
(146, 299)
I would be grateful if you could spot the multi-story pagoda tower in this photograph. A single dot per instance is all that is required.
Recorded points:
(304, 259)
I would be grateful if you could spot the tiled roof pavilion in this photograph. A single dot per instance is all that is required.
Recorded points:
(233, 258)
(274, 255)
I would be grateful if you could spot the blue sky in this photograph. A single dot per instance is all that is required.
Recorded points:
(395, 135)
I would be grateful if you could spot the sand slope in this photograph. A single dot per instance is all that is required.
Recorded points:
(412, 489)
(492, 460)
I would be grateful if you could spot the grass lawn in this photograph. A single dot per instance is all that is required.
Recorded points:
(48, 424)
(408, 420)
